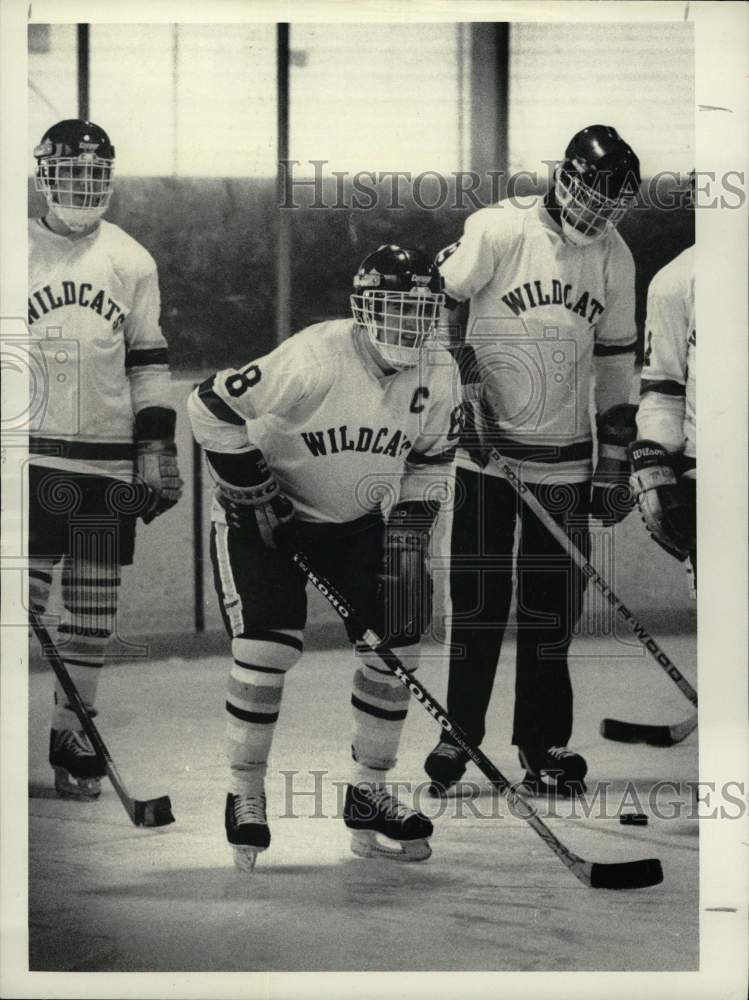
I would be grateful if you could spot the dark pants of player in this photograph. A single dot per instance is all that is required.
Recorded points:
(262, 596)
(549, 601)
(87, 523)
(261, 588)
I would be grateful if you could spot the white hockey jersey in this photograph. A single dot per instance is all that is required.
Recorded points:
(93, 317)
(342, 437)
(541, 311)
(668, 390)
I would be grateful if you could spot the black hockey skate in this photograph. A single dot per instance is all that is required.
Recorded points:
(246, 828)
(78, 768)
(445, 765)
(370, 810)
(555, 771)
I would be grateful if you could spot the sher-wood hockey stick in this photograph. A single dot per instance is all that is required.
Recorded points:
(148, 812)
(611, 729)
(614, 875)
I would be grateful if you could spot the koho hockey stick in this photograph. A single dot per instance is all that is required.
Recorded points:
(611, 729)
(148, 812)
(616, 875)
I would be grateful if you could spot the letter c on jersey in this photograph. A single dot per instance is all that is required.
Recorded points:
(420, 393)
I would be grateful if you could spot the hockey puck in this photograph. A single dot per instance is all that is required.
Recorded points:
(633, 819)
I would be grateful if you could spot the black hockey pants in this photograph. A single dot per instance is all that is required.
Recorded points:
(549, 599)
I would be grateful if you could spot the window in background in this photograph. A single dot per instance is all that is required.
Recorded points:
(53, 85)
(377, 97)
(132, 94)
(202, 102)
(226, 100)
(638, 78)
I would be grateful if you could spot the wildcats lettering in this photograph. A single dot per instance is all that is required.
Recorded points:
(531, 295)
(335, 440)
(70, 293)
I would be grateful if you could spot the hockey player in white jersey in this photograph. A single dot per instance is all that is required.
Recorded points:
(551, 289)
(664, 458)
(102, 449)
(308, 446)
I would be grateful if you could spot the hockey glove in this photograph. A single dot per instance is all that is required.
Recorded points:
(611, 498)
(251, 497)
(665, 509)
(405, 583)
(156, 460)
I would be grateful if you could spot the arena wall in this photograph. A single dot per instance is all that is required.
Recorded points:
(213, 242)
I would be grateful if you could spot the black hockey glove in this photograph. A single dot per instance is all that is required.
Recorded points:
(250, 495)
(156, 466)
(405, 583)
(611, 498)
(665, 507)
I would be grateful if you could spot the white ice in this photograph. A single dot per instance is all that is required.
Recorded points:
(106, 896)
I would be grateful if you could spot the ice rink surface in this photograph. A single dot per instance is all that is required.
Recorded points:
(106, 896)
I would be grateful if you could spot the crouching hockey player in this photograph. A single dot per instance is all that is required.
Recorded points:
(348, 407)
(664, 465)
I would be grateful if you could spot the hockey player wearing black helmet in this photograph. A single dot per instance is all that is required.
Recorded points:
(103, 451)
(551, 321)
(338, 443)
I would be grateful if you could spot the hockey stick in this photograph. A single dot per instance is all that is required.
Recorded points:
(616, 875)
(148, 812)
(641, 732)
(611, 729)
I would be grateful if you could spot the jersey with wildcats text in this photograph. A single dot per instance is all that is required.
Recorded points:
(342, 437)
(668, 390)
(93, 317)
(541, 311)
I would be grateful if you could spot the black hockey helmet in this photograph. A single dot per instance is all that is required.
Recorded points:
(596, 183)
(397, 297)
(75, 169)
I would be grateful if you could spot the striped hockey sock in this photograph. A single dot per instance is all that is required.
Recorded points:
(89, 593)
(40, 583)
(380, 706)
(253, 701)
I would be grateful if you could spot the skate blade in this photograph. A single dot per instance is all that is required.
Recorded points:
(458, 790)
(68, 787)
(364, 844)
(246, 857)
(550, 791)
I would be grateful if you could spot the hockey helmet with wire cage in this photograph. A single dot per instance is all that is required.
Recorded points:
(75, 170)
(595, 184)
(397, 298)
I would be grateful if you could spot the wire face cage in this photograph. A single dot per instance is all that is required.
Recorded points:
(586, 210)
(398, 323)
(77, 188)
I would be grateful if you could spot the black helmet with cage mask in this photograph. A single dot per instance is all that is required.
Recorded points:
(595, 184)
(397, 298)
(75, 170)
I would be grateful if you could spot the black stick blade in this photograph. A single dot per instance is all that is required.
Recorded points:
(633, 732)
(654, 736)
(626, 874)
(153, 812)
